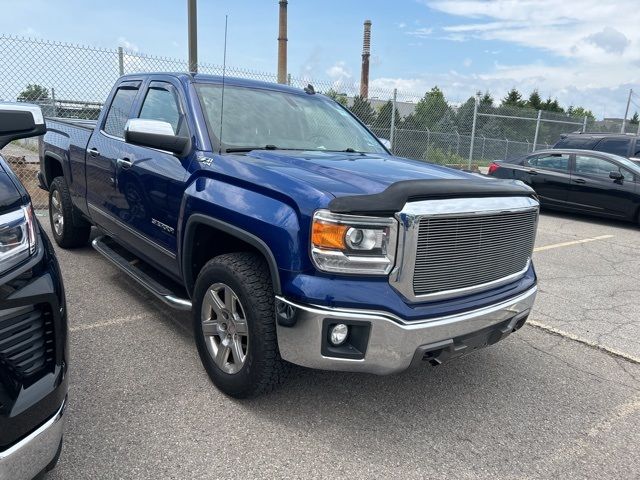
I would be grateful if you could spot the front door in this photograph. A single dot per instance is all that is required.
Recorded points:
(150, 183)
(593, 190)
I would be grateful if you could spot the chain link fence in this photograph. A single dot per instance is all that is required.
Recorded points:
(73, 81)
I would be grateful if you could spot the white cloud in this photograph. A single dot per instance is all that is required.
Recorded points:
(591, 48)
(30, 32)
(467, 62)
(401, 25)
(127, 45)
(420, 32)
(340, 75)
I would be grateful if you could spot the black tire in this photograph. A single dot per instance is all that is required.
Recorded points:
(248, 276)
(74, 231)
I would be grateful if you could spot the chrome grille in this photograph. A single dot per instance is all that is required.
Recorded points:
(465, 251)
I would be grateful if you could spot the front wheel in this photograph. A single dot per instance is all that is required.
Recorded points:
(234, 325)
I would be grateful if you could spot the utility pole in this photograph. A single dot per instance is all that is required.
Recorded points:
(282, 43)
(193, 35)
(366, 53)
(473, 128)
(393, 119)
(626, 112)
(535, 137)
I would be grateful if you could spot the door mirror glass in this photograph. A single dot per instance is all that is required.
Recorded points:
(20, 120)
(616, 175)
(155, 134)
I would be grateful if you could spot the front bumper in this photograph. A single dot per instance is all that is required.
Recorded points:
(32, 454)
(391, 344)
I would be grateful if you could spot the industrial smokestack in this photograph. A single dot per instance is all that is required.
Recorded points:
(282, 43)
(366, 53)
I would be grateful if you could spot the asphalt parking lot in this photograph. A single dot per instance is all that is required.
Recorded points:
(558, 399)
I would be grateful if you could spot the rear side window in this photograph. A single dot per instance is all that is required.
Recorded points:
(617, 146)
(119, 111)
(161, 104)
(580, 143)
(550, 162)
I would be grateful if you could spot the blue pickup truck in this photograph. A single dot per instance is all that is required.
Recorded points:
(289, 230)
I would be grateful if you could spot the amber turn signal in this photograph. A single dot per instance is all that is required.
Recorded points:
(328, 235)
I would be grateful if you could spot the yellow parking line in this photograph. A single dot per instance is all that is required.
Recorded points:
(573, 242)
(107, 323)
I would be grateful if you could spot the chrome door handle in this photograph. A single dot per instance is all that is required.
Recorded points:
(532, 172)
(93, 152)
(579, 180)
(123, 163)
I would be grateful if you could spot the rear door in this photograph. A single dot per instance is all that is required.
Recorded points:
(594, 191)
(104, 147)
(548, 174)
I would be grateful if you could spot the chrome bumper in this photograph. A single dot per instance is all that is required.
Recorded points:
(393, 344)
(32, 454)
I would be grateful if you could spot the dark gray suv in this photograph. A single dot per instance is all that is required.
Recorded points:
(622, 144)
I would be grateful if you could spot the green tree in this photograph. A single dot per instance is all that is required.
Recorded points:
(383, 119)
(432, 108)
(580, 112)
(341, 98)
(464, 115)
(634, 120)
(513, 99)
(362, 109)
(33, 92)
(486, 100)
(534, 101)
(552, 106)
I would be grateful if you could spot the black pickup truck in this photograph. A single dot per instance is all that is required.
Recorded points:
(33, 321)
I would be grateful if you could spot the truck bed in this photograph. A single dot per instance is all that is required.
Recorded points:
(76, 122)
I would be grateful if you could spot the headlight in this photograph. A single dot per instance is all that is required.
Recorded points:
(353, 244)
(17, 237)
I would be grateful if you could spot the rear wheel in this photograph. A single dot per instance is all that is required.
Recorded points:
(234, 325)
(68, 227)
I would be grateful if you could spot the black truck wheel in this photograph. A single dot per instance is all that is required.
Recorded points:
(68, 230)
(234, 325)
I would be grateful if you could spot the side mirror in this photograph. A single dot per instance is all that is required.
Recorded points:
(617, 176)
(155, 134)
(20, 120)
(385, 142)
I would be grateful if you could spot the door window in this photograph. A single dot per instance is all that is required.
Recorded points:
(119, 111)
(628, 176)
(600, 167)
(558, 162)
(617, 146)
(161, 103)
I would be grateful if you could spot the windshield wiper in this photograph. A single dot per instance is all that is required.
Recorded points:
(249, 149)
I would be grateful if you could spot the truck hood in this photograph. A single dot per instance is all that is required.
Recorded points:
(341, 174)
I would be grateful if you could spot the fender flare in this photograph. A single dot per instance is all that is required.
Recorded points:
(53, 156)
(229, 229)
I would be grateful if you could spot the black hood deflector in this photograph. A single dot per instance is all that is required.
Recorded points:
(394, 197)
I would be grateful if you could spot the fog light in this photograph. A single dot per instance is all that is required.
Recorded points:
(338, 334)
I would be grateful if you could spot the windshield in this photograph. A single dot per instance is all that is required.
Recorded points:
(255, 118)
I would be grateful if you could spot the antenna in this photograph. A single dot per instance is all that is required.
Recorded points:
(224, 71)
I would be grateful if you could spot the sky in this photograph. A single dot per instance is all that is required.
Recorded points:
(582, 52)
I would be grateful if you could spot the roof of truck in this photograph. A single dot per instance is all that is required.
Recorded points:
(217, 79)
